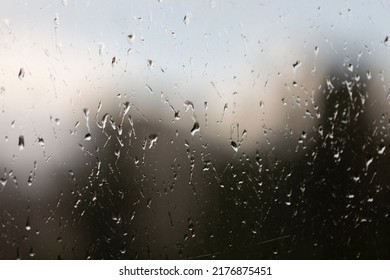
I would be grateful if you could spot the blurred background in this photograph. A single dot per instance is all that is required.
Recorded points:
(194, 130)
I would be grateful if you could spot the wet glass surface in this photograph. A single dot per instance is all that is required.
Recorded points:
(194, 130)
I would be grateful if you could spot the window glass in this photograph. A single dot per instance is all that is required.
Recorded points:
(194, 129)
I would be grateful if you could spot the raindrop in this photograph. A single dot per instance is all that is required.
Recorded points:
(381, 149)
(41, 142)
(191, 227)
(29, 180)
(21, 73)
(329, 84)
(86, 113)
(57, 20)
(3, 182)
(234, 146)
(28, 226)
(297, 64)
(21, 143)
(117, 153)
(113, 60)
(177, 116)
(31, 252)
(350, 67)
(153, 140)
(87, 137)
(132, 215)
(150, 89)
(195, 128)
(316, 50)
(77, 203)
(150, 63)
(104, 120)
(368, 162)
(102, 46)
(186, 20)
(131, 37)
(127, 107)
(86, 116)
(188, 105)
(356, 178)
(148, 202)
(386, 41)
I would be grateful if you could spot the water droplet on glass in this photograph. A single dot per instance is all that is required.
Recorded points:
(150, 89)
(150, 63)
(113, 60)
(153, 139)
(177, 116)
(86, 113)
(195, 128)
(3, 182)
(31, 253)
(87, 137)
(132, 215)
(381, 149)
(369, 75)
(131, 37)
(21, 73)
(186, 19)
(104, 120)
(234, 146)
(126, 105)
(28, 226)
(101, 48)
(148, 202)
(188, 105)
(368, 162)
(296, 64)
(21, 143)
(56, 20)
(41, 142)
(77, 203)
